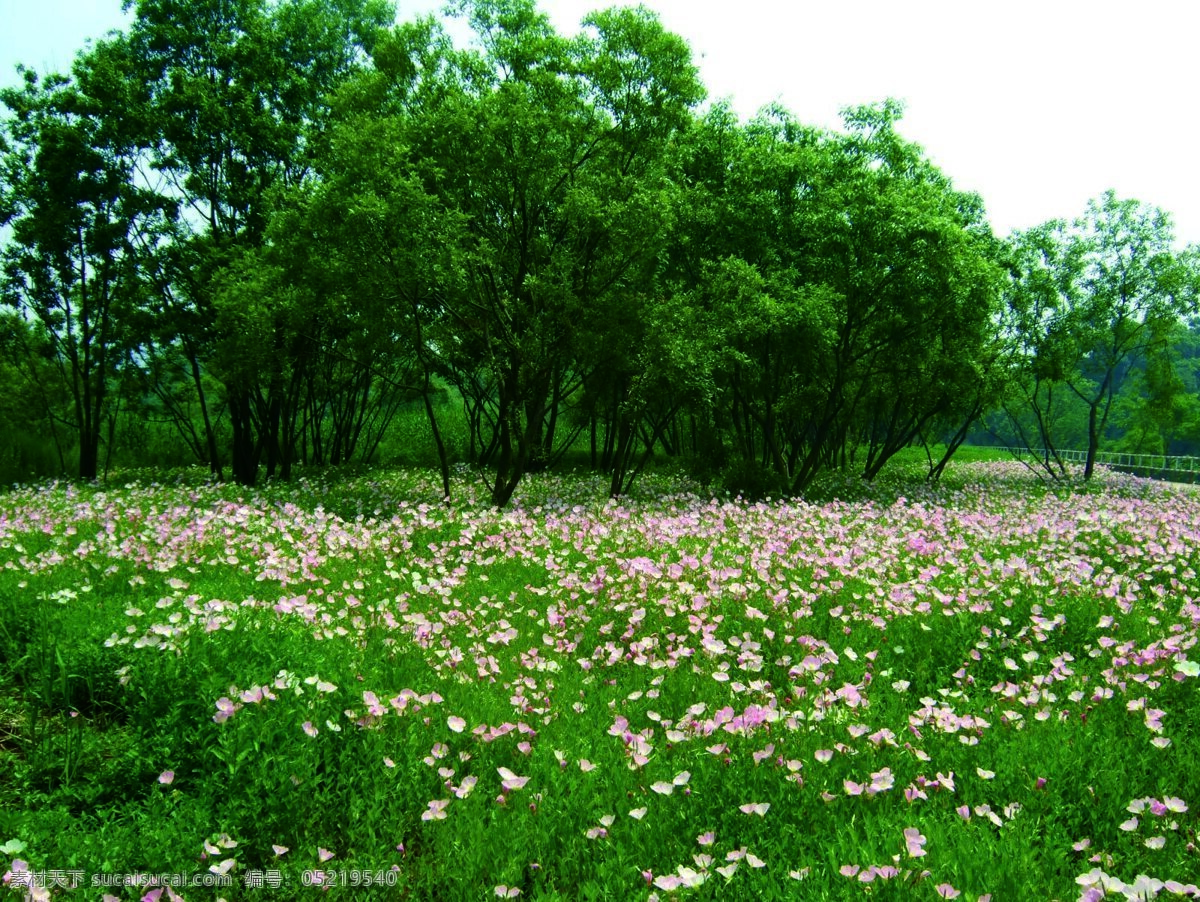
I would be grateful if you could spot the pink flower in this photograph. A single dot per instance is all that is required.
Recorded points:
(323, 854)
(914, 841)
(167, 777)
(946, 891)
(759, 808)
(511, 781)
(225, 710)
(882, 781)
(223, 867)
(464, 789)
(308, 728)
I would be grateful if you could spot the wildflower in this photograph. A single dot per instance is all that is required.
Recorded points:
(881, 782)
(225, 710)
(167, 777)
(511, 781)
(914, 842)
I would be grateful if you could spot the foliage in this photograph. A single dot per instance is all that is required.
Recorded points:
(1091, 301)
(276, 227)
(578, 697)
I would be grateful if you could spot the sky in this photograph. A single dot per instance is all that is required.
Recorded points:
(1037, 105)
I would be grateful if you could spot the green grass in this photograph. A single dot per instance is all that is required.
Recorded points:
(580, 699)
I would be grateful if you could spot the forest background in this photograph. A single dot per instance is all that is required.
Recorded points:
(266, 235)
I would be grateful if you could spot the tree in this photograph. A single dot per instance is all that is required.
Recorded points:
(80, 220)
(1091, 299)
(362, 253)
(545, 156)
(851, 290)
(235, 91)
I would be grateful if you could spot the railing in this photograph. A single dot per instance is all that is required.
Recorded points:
(1157, 466)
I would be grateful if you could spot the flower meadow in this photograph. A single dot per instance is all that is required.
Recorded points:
(983, 689)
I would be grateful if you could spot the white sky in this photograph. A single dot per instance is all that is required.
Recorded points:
(1038, 105)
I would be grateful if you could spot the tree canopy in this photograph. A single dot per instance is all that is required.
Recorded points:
(270, 232)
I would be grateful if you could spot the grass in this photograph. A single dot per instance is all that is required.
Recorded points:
(983, 688)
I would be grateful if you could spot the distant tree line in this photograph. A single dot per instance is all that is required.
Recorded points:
(274, 224)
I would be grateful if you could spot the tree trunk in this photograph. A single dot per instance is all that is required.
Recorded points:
(244, 451)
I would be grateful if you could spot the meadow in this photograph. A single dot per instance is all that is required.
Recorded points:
(342, 687)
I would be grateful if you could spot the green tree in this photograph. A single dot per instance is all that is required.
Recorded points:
(851, 289)
(235, 91)
(80, 218)
(545, 156)
(1091, 299)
